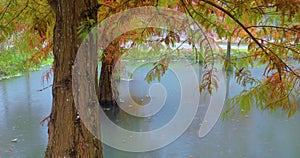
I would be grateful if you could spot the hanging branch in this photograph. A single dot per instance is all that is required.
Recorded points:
(253, 38)
(204, 34)
(275, 27)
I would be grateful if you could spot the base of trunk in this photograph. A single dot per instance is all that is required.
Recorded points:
(110, 107)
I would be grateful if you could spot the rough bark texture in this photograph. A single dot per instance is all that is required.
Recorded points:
(68, 136)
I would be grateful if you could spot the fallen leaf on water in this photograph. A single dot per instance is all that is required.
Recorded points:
(14, 140)
(10, 149)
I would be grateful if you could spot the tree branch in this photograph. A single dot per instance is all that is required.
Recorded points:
(271, 56)
(18, 14)
(203, 33)
(271, 26)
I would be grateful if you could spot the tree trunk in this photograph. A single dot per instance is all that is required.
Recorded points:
(228, 50)
(68, 137)
(228, 66)
(196, 53)
(108, 80)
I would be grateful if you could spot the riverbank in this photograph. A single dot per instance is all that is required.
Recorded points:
(25, 71)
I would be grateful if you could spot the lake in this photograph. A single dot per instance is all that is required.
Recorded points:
(259, 134)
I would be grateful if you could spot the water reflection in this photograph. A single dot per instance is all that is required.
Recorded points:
(261, 134)
(22, 108)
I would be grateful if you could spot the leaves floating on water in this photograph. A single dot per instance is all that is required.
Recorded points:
(10, 149)
(14, 140)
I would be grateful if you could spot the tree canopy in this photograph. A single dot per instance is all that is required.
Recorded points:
(270, 28)
(25, 34)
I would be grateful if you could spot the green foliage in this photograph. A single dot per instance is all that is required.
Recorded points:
(270, 28)
(25, 35)
(85, 27)
(158, 70)
(270, 93)
(11, 63)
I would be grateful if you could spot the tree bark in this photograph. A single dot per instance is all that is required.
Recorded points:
(68, 137)
(108, 85)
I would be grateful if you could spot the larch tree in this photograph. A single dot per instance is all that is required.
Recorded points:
(27, 27)
(269, 27)
(68, 137)
(271, 30)
(25, 34)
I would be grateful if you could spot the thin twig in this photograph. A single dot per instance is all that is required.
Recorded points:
(203, 33)
(44, 120)
(271, 26)
(45, 88)
(253, 38)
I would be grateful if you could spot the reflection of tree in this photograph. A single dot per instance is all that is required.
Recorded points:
(28, 92)
(215, 17)
(138, 91)
(4, 102)
(229, 75)
(4, 95)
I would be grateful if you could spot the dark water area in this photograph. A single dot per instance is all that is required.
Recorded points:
(259, 134)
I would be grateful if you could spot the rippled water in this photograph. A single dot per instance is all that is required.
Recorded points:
(22, 108)
(260, 134)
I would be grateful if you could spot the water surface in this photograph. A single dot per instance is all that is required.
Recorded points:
(259, 134)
